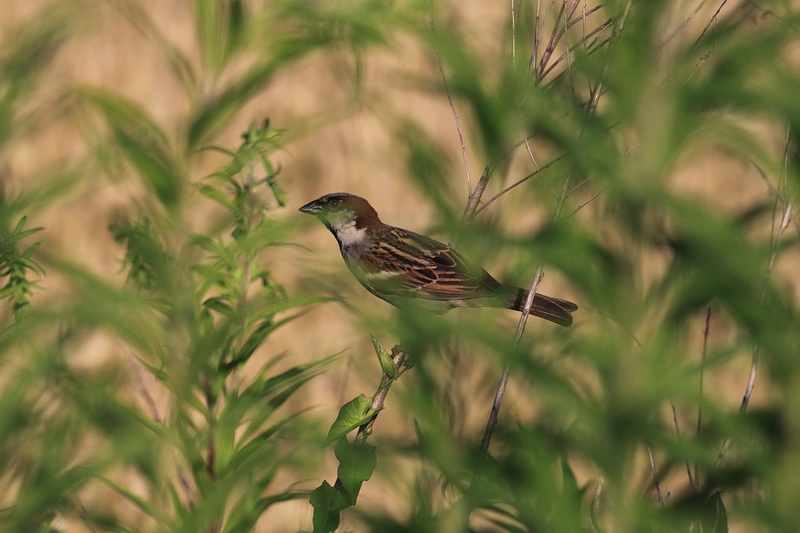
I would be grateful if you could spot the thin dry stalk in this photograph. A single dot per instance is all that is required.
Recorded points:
(587, 202)
(590, 47)
(693, 476)
(501, 387)
(678, 433)
(787, 217)
(662, 499)
(538, 30)
(456, 116)
(711, 21)
(143, 386)
(475, 198)
(700, 392)
(780, 196)
(517, 183)
(514, 15)
(211, 452)
(565, 14)
(686, 22)
(751, 381)
(495, 411)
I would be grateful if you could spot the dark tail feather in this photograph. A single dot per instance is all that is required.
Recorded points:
(546, 307)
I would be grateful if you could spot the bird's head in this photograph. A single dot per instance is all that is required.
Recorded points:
(341, 210)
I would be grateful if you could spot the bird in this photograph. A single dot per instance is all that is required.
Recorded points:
(412, 271)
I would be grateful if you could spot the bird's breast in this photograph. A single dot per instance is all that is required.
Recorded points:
(349, 235)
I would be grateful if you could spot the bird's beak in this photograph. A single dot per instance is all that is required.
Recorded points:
(311, 208)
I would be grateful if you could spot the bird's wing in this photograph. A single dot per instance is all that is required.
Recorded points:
(405, 263)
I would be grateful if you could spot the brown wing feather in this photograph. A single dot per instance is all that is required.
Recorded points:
(425, 268)
(402, 266)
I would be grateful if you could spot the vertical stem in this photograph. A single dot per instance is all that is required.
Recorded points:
(211, 452)
(700, 392)
(399, 358)
(495, 412)
(475, 197)
(662, 500)
(501, 388)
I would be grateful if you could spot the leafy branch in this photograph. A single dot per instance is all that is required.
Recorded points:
(16, 266)
(357, 460)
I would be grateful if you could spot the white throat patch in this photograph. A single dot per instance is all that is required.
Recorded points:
(349, 235)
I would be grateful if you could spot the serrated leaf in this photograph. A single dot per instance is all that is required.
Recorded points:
(351, 415)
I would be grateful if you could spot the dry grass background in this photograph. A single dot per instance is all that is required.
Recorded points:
(353, 152)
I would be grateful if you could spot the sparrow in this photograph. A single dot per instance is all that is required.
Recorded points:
(410, 270)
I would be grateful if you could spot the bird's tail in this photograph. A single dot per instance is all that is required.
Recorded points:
(553, 309)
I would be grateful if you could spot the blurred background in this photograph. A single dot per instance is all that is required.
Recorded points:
(644, 156)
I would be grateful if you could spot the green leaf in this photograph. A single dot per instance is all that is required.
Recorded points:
(220, 306)
(143, 142)
(594, 517)
(250, 345)
(139, 502)
(387, 364)
(715, 519)
(293, 303)
(265, 503)
(301, 373)
(220, 26)
(357, 461)
(259, 442)
(215, 194)
(218, 109)
(328, 503)
(351, 415)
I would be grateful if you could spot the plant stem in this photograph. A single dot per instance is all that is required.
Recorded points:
(501, 388)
